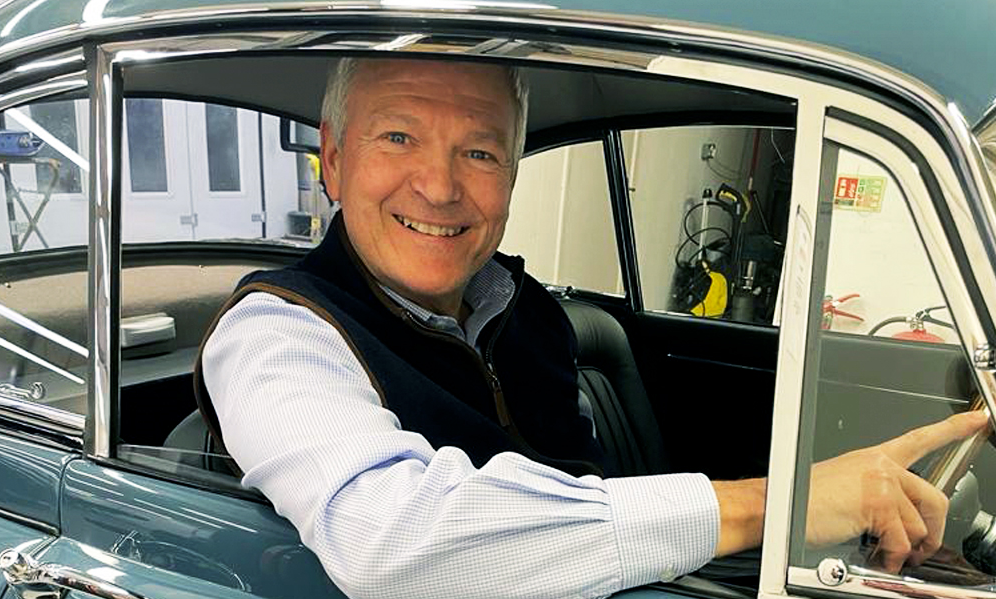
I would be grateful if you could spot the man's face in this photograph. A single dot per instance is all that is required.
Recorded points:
(424, 174)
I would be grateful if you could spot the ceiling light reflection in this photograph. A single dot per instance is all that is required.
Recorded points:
(94, 11)
(40, 361)
(53, 142)
(45, 64)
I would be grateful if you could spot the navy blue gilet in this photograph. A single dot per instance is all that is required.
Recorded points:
(520, 395)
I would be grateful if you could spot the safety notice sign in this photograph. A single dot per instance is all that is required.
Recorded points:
(859, 192)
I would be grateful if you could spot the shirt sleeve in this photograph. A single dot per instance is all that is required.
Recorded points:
(390, 516)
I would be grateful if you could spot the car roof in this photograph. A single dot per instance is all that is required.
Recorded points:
(947, 45)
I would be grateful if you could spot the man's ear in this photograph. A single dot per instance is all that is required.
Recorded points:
(329, 159)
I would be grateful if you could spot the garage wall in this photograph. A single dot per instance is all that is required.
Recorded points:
(880, 256)
(560, 219)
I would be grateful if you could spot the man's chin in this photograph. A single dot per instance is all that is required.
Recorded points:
(439, 296)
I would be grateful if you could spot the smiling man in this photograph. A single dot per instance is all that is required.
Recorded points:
(408, 397)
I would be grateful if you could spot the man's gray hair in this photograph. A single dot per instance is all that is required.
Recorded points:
(341, 79)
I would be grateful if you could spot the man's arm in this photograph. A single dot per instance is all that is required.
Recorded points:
(388, 515)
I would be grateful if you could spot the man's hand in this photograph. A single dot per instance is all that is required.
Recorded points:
(867, 490)
(871, 490)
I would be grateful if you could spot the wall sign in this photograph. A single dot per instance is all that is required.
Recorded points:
(859, 193)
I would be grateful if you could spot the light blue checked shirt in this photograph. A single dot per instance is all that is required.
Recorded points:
(390, 516)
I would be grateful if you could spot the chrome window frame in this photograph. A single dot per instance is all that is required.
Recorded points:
(967, 186)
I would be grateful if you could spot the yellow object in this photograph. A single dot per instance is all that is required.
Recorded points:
(714, 303)
(315, 165)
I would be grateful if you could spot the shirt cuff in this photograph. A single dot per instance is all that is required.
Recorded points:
(666, 525)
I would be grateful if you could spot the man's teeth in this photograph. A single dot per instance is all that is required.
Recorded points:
(430, 229)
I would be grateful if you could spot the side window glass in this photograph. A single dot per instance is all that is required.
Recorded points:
(43, 295)
(708, 208)
(195, 172)
(560, 219)
(882, 358)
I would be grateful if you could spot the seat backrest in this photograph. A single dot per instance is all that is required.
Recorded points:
(607, 373)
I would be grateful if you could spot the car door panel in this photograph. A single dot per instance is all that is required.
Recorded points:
(233, 542)
(29, 494)
(694, 368)
(30, 473)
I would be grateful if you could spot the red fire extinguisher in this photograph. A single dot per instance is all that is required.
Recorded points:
(917, 331)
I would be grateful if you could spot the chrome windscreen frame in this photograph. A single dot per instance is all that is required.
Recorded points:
(104, 283)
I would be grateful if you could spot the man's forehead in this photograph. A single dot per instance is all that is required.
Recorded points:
(481, 91)
(485, 82)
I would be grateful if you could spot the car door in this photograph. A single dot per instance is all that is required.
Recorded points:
(901, 215)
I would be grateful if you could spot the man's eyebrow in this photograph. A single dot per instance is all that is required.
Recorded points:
(492, 135)
(390, 115)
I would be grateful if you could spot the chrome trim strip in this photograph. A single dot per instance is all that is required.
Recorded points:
(54, 62)
(56, 85)
(868, 582)
(38, 525)
(42, 415)
(209, 44)
(104, 255)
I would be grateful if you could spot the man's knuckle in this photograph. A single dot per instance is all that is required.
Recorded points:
(917, 533)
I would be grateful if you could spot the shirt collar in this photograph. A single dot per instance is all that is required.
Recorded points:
(488, 293)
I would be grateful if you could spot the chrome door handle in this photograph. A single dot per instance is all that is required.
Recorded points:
(31, 580)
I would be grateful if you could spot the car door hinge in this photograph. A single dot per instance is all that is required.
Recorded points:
(984, 358)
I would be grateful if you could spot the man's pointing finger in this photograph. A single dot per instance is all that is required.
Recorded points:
(915, 444)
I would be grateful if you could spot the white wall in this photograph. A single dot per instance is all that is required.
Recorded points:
(560, 219)
(880, 256)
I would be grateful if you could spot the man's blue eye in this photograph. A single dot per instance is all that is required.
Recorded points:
(397, 138)
(479, 155)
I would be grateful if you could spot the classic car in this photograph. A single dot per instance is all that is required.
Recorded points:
(773, 228)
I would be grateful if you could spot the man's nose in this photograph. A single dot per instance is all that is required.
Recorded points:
(435, 178)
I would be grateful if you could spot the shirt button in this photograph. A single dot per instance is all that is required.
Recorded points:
(667, 574)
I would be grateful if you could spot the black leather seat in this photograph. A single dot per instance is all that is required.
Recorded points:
(202, 449)
(624, 419)
(607, 373)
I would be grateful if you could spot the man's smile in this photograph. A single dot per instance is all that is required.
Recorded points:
(428, 229)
